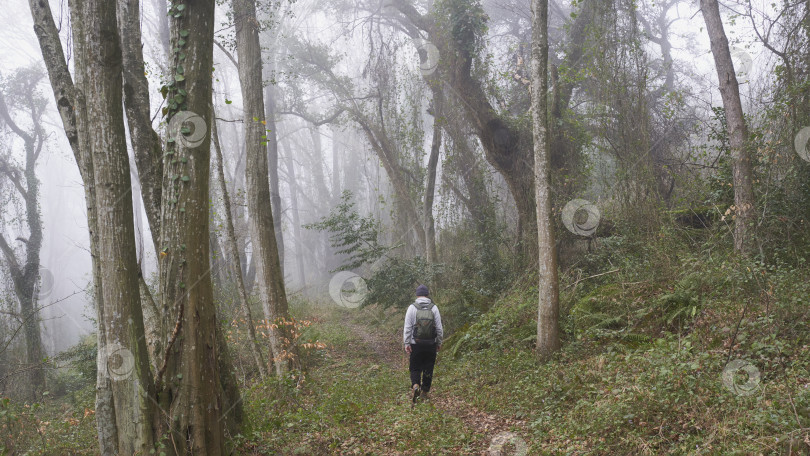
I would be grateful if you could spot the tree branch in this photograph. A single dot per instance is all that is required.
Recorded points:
(327, 120)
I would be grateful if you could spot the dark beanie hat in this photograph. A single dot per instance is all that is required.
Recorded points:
(422, 290)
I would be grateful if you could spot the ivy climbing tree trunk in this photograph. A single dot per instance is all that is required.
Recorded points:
(506, 145)
(744, 210)
(548, 332)
(25, 273)
(262, 232)
(189, 388)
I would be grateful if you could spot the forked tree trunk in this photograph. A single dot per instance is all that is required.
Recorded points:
(124, 358)
(737, 129)
(262, 231)
(548, 332)
(70, 102)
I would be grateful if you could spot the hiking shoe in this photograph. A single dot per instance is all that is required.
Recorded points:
(424, 396)
(416, 392)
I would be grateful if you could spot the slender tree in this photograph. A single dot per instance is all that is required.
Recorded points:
(744, 210)
(292, 183)
(548, 332)
(433, 161)
(262, 227)
(233, 254)
(146, 144)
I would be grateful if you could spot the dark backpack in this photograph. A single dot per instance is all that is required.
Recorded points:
(424, 331)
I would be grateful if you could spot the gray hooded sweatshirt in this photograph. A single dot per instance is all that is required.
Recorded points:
(410, 322)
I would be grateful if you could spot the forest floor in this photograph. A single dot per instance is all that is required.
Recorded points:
(642, 371)
(357, 401)
(640, 389)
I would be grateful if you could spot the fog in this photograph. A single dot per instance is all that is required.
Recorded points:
(393, 161)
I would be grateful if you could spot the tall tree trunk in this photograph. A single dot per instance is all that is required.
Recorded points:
(146, 143)
(163, 28)
(189, 381)
(292, 182)
(433, 162)
(272, 167)
(124, 357)
(737, 129)
(262, 231)
(233, 255)
(548, 332)
(70, 102)
(335, 165)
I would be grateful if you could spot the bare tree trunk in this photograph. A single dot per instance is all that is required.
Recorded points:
(124, 358)
(262, 226)
(163, 27)
(146, 143)
(292, 182)
(233, 255)
(70, 102)
(737, 129)
(335, 166)
(189, 382)
(548, 332)
(433, 162)
(272, 166)
(317, 165)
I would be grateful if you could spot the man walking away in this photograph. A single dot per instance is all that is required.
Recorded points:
(422, 337)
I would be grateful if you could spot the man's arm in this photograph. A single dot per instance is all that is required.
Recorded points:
(407, 331)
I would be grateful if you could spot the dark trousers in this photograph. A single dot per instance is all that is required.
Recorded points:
(423, 358)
